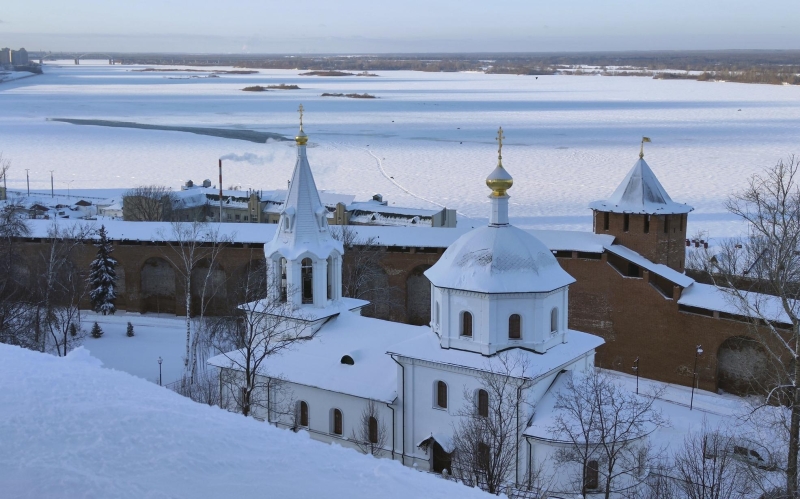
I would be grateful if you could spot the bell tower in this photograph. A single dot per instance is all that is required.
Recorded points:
(304, 260)
(641, 216)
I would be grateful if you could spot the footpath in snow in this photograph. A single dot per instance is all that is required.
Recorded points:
(69, 428)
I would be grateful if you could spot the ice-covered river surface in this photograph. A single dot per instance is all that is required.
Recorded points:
(427, 140)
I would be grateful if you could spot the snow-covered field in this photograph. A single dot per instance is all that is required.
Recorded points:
(427, 140)
(71, 429)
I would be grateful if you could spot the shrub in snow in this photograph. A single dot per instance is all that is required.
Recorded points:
(96, 331)
(129, 331)
(102, 276)
(73, 329)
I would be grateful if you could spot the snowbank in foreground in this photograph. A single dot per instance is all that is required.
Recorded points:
(69, 428)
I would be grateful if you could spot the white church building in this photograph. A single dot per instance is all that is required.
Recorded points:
(496, 291)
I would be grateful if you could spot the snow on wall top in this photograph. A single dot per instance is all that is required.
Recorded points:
(116, 435)
(657, 268)
(710, 297)
(305, 217)
(641, 193)
(498, 259)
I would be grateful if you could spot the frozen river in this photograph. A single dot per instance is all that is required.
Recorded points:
(426, 141)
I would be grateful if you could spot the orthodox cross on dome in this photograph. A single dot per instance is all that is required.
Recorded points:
(499, 140)
(300, 110)
(641, 147)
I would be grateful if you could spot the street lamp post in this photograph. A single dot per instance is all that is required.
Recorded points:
(636, 372)
(69, 186)
(52, 192)
(697, 353)
(28, 180)
(160, 360)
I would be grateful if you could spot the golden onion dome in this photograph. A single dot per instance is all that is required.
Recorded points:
(499, 181)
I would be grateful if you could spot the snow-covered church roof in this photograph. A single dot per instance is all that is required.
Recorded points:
(303, 225)
(641, 193)
(499, 258)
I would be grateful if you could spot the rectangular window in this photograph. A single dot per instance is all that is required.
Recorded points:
(238, 218)
(647, 224)
(591, 478)
(666, 224)
(626, 222)
(605, 221)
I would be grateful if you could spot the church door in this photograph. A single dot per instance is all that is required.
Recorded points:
(441, 459)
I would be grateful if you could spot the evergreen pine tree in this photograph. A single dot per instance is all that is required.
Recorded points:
(102, 276)
(96, 331)
(129, 332)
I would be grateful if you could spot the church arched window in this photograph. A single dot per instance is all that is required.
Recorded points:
(302, 415)
(466, 324)
(554, 320)
(307, 273)
(483, 403)
(283, 279)
(337, 422)
(514, 327)
(441, 395)
(373, 430)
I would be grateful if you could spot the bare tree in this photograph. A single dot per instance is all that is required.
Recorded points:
(606, 427)
(371, 434)
(363, 276)
(486, 439)
(707, 468)
(59, 287)
(5, 165)
(260, 329)
(16, 308)
(148, 203)
(188, 245)
(760, 275)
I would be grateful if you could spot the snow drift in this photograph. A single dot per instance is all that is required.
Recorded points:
(69, 428)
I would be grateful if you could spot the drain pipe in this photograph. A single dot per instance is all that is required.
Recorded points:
(403, 432)
(393, 427)
(516, 472)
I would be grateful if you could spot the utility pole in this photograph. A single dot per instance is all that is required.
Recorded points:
(51, 184)
(220, 191)
(28, 180)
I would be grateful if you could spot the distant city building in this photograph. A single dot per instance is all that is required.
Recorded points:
(19, 57)
(5, 56)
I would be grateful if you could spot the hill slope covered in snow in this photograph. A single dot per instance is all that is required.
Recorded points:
(69, 428)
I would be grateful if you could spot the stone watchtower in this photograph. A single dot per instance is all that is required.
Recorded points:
(641, 216)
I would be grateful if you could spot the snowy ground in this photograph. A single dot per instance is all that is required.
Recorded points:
(427, 140)
(154, 336)
(70, 429)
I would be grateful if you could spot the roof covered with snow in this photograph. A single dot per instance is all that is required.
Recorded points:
(641, 192)
(664, 271)
(303, 226)
(719, 299)
(427, 347)
(498, 259)
(318, 362)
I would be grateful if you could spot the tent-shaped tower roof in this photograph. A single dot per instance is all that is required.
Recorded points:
(641, 193)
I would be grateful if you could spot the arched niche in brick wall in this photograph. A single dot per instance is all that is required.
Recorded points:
(743, 366)
(158, 286)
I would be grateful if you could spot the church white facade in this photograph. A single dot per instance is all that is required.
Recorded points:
(497, 291)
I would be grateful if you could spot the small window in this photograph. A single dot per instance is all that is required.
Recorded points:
(605, 220)
(591, 478)
(373, 430)
(437, 314)
(514, 326)
(238, 217)
(466, 324)
(666, 224)
(348, 360)
(483, 403)
(337, 422)
(554, 320)
(626, 222)
(303, 416)
(307, 272)
(441, 395)
(647, 224)
(286, 223)
(484, 457)
(283, 280)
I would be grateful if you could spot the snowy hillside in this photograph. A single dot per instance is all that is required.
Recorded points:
(71, 429)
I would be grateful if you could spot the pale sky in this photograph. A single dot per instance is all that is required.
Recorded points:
(354, 26)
